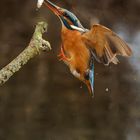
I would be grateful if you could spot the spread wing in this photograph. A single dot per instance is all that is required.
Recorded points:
(105, 45)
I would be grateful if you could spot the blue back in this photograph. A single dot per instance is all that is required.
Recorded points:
(70, 16)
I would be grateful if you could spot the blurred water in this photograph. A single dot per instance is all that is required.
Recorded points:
(44, 101)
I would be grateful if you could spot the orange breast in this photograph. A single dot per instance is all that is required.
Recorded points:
(75, 49)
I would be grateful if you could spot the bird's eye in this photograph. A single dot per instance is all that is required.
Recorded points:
(66, 15)
(86, 75)
(78, 70)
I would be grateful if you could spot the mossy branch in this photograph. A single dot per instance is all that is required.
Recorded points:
(35, 47)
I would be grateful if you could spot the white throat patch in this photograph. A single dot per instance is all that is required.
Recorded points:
(76, 74)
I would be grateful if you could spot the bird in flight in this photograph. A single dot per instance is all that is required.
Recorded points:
(80, 46)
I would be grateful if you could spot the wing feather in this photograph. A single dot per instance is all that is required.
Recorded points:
(105, 44)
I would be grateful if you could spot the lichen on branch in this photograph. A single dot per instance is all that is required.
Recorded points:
(35, 47)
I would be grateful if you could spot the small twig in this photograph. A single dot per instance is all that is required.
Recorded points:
(35, 47)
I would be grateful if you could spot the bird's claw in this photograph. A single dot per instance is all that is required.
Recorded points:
(62, 56)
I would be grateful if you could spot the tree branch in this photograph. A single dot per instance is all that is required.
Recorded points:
(35, 47)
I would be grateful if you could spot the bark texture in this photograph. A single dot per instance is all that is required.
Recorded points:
(35, 47)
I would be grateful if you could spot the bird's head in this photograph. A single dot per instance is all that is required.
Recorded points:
(86, 75)
(68, 19)
(89, 80)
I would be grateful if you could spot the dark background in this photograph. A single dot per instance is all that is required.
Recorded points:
(43, 101)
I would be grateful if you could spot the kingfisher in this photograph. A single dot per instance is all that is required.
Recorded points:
(81, 46)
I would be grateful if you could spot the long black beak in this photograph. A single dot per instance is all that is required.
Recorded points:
(91, 75)
(90, 81)
(55, 9)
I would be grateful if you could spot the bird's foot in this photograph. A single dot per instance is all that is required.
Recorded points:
(62, 56)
